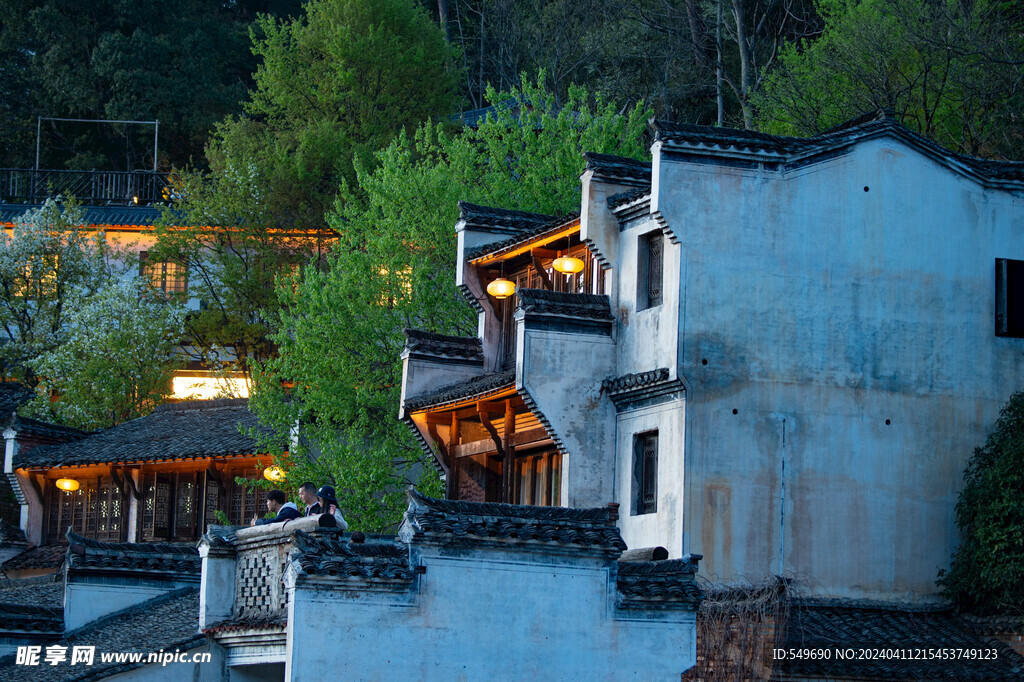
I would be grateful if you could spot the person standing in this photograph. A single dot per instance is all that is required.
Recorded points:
(307, 493)
(329, 505)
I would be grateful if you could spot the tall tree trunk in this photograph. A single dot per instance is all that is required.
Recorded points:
(719, 67)
(745, 59)
(442, 18)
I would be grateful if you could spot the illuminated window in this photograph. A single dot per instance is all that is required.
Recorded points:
(395, 286)
(168, 276)
(96, 510)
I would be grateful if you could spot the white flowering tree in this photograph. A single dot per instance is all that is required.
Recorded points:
(49, 264)
(116, 360)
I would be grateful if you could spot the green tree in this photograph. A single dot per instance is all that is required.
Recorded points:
(116, 360)
(49, 264)
(949, 70)
(987, 571)
(334, 83)
(394, 267)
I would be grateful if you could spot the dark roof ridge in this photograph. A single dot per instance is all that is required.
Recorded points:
(484, 383)
(872, 116)
(186, 548)
(468, 211)
(523, 236)
(443, 344)
(185, 405)
(598, 515)
(812, 601)
(543, 301)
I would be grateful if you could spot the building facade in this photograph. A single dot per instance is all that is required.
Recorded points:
(777, 350)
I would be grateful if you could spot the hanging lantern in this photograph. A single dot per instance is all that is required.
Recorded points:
(568, 265)
(274, 474)
(501, 288)
(68, 485)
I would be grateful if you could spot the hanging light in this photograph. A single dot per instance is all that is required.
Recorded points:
(501, 288)
(275, 474)
(568, 265)
(68, 485)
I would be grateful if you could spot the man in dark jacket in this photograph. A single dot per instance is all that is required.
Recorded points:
(278, 504)
(307, 493)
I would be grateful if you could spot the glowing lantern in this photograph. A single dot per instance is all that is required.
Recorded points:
(501, 288)
(568, 265)
(68, 485)
(274, 474)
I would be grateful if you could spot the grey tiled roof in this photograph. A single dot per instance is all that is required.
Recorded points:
(618, 166)
(524, 236)
(47, 556)
(31, 606)
(438, 344)
(372, 561)
(45, 430)
(448, 520)
(585, 306)
(631, 382)
(474, 214)
(477, 386)
(643, 583)
(839, 624)
(169, 623)
(152, 557)
(623, 198)
(175, 431)
(141, 216)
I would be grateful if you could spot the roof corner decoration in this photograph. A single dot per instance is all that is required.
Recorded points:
(559, 311)
(619, 169)
(641, 388)
(454, 523)
(458, 349)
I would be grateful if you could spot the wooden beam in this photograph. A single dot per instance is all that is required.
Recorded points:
(485, 419)
(432, 430)
(531, 436)
(510, 428)
(491, 407)
(542, 273)
(543, 253)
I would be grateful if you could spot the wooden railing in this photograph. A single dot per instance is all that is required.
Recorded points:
(124, 188)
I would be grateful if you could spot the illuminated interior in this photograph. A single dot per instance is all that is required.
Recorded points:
(199, 385)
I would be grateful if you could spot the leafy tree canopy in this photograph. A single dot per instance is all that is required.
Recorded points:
(334, 83)
(49, 264)
(987, 571)
(116, 361)
(394, 267)
(949, 70)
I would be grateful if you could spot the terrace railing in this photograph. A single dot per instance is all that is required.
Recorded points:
(91, 188)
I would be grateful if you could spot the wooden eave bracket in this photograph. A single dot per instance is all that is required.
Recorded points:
(484, 411)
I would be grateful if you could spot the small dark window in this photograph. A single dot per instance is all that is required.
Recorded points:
(168, 276)
(1009, 297)
(649, 270)
(645, 473)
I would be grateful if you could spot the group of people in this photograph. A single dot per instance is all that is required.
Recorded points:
(320, 500)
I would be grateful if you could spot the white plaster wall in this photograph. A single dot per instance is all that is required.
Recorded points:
(647, 338)
(421, 376)
(663, 527)
(487, 618)
(562, 372)
(86, 602)
(822, 311)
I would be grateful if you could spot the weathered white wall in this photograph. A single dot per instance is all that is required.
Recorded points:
(496, 617)
(663, 527)
(823, 310)
(562, 373)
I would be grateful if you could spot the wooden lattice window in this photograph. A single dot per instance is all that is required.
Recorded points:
(96, 510)
(168, 276)
(650, 267)
(645, 473)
